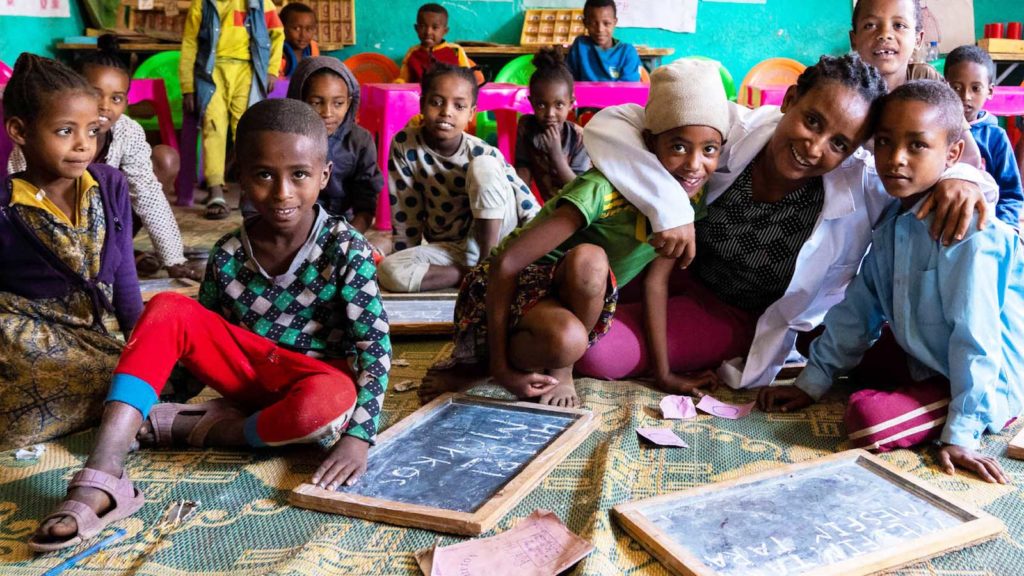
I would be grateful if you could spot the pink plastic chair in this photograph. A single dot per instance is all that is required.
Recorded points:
(153, 90)
(5, 143)
(5, 73)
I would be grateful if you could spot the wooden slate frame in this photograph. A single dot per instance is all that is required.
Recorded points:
(420, 328)
(451, 521)
(680, 560)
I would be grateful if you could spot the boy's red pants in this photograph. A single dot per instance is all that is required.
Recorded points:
(293, 397)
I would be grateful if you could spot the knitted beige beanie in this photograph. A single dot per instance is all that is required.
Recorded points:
(687, 93)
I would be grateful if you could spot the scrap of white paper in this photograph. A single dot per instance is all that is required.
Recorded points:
(662, 437)
(721, 409)
(678, 408)
(32, 453)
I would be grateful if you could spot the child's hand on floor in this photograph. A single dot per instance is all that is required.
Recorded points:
(691, 383)
(783, 399)
(344, 465)
(525, 384)
(679, 243)
(951, 456)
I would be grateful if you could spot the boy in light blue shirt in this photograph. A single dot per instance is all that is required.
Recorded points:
(955, 311)
(598, 56)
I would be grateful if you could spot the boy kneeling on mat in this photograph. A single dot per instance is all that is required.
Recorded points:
(289, 329)
(948, 318)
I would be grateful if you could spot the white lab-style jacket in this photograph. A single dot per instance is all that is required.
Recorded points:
(829, 259)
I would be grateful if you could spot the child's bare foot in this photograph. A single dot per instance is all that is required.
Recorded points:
(563, 395)
(450, 376)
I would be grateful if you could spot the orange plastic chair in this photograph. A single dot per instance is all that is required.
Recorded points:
(372, 68)
(773, 71)
(645, 76)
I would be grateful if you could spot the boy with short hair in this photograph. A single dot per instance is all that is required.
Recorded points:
(299, 23)
(955, 312)
(598, 56)
(431, 27)
(969, 71)
(230, 58)
(333, 91)
(289, 329)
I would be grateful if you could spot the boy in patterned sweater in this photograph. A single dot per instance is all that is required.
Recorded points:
(289, 329)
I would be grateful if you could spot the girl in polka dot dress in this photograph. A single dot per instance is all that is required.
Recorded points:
(453, 196)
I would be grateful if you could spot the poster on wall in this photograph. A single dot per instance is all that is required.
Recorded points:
(674, 15)
(740, 1)
(37, 8)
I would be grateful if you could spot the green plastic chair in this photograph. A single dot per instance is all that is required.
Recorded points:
(163, 65)
(516, 71)
(727, 82)
(939, 65)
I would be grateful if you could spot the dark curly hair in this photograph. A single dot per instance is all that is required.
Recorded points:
(593, 4)
(293, 9)
(432, 8)
(36, 82)
(279, 115)
(551, 68)
(971, 53)
(918, 24)
(107, 55)
(848, 70)
(936, 94)
(440, 70)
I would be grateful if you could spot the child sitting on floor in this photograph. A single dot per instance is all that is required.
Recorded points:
(955, 312)
(289, 329)
(531, 310)
(122, 144)
(330, 88)
(65, 258)
(449, 188)
(549, 148)
(969, 71)
(431, 27)
(598, 56)
(299, 23)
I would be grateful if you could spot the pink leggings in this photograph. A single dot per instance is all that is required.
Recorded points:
(702, 332)
(292, 397)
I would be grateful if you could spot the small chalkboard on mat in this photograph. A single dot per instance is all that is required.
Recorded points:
(154, 286)
(845, 514)
(456, 465)
(422, 313)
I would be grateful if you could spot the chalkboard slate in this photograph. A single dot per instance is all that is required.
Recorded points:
(849, 513)
(458, 464)
(422, 313)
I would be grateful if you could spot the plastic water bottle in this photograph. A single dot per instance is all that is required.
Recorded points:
(933, 51)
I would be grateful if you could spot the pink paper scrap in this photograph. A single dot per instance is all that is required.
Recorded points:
(662, 437)
(678, 408)
(539, 545)
(721, 409)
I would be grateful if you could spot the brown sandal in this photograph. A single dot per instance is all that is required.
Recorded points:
(161, 419)
(126, 501)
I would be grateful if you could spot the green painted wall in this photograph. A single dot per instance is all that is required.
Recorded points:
(740, 35)
(21, 33)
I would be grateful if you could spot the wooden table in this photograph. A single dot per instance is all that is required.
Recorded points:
(1013, 58)
(651, 56)
(140, 47)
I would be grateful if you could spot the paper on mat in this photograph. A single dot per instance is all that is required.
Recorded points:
(662, 437)
(677, 408)
(539, 545)
(723, 410)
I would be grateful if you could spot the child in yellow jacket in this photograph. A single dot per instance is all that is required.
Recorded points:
(230, 56)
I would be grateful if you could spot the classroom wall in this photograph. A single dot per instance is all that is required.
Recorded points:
(21, 33)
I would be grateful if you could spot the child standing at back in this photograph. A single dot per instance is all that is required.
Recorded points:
(230, 58)
(431, 27)
(955, 312)
(332, 90)
(549, 148)
(449, 188)
(65, 258)
(549, 291)
(598, 56)
(299, 23)
(289, 329)
(969, 71)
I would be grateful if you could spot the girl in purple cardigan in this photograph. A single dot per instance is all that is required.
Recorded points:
(65, 259)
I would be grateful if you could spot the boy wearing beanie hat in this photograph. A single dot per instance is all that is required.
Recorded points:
(548, 292)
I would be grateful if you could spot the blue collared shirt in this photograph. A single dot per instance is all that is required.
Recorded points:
(955, 310)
